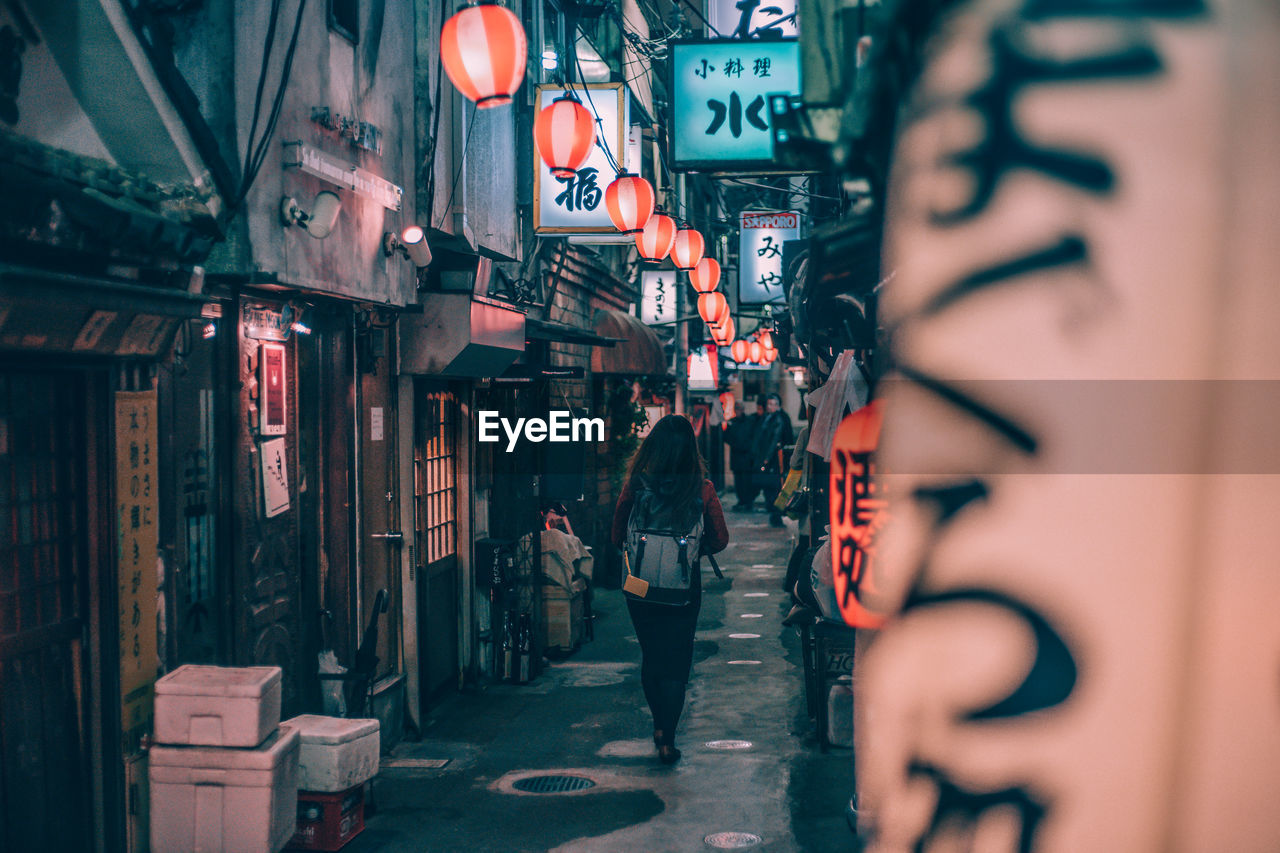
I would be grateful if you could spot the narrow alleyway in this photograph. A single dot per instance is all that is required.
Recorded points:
(585, 716)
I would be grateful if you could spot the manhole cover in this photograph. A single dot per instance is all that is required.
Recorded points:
(732, 840)
(552, 784)
(744, 636)
(728, 744)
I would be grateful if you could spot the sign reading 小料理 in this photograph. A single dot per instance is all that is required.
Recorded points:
(720, 101)
(659, 298)
(761, 235)
(753, 19)
(575, 205)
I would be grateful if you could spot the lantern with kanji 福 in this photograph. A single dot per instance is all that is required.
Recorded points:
(483, 50)
(687, 249)
(564, 133)
(629, 200)
(705, 276)
(656, 237)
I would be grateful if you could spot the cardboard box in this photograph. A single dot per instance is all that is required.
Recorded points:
(562, 615)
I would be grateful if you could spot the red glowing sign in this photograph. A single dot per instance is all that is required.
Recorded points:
(858, 513)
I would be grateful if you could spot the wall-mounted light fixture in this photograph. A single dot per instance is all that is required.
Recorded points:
(410, 243)
(320, 221)
(550, 60)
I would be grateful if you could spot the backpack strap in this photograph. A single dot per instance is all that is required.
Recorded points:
(715, 567)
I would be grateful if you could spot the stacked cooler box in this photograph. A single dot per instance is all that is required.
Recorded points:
(337, 757)
(224, 772)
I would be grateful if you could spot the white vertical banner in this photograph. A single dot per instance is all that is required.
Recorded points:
(660, 296)
(761, 234)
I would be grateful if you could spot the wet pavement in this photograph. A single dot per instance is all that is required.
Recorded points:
(751, 764)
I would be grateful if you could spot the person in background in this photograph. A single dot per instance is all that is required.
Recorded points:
(741, 436)
(667, 468)
(773, 434)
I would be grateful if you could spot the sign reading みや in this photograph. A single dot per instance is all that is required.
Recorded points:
(761, 235)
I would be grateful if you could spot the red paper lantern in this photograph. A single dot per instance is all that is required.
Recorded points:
(765, 338)
(755, 352)
(629, 200)
(705, 275)
(740, 348)
(564, 132)
(656, 238)
(722, 333)
(483, 50)
(769, 354)
(687, 250)
(713, 307)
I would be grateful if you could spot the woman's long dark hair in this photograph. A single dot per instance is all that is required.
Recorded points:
(669, 456)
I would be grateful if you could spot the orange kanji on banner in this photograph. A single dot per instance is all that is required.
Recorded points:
(857, 512)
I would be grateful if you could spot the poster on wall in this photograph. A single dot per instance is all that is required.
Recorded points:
(660, 295)
(274, 402)
(719, 107)
(137, 525)
(575, 205)
(761, 234)
(275, 477)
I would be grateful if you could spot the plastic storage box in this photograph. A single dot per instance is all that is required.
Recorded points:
(335, 753)
(216, 800)
(327, 821)
(217, 705)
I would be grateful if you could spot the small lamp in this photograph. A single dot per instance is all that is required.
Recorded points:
(411, 243)
(320, 221)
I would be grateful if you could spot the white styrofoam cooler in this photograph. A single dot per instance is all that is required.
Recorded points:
(208, 799)
(336, 754)
(199, 705)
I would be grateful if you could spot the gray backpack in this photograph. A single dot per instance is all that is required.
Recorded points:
(660, 553)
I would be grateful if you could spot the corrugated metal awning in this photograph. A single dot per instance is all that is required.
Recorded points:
(638, 352)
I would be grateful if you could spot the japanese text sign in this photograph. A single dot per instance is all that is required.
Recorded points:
(720, 101)
(137, 525)
(761, 235)
(746, 19)
(660, 296)
(857, 512)
(576, 205)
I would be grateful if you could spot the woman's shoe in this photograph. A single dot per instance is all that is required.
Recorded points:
(668, 754)
(657, 737)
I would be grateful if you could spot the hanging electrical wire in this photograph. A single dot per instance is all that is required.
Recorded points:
(600, 135)
(462, 165)
(789, 191)
(256, 156)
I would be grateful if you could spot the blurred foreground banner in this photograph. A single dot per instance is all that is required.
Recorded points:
(1085, 654)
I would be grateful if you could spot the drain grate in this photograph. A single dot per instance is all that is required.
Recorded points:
(552, 784)
(732, 840)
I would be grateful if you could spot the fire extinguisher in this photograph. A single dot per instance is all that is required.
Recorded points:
(526, 641)
(509, 666)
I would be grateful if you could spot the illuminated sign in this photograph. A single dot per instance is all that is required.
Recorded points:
(746, 19)
(660, 293)
(720, 101)
(704, 368)
(858, 512)
(575, 205)
(760, 238)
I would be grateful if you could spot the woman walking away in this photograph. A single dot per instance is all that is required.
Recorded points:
(668, 516)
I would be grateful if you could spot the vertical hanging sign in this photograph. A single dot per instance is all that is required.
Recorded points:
(761, 235)
(137, 517)
(747, 19)
(659, 294)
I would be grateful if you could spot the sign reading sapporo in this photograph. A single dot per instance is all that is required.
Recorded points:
(720, 101)
(660, 293)
(761, 235)
(575, 205)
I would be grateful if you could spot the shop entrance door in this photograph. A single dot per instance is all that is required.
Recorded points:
(44, 575)
(381, 537)
(435, 501)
